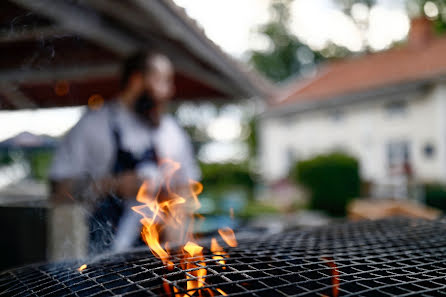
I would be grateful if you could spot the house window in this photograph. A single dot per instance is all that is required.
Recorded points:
(429, 151)
(396, 108)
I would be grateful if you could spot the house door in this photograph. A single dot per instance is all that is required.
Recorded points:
(399, 168)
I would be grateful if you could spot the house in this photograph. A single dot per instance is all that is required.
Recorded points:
(388, 109)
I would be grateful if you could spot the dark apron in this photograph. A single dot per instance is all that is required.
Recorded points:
(105, 219)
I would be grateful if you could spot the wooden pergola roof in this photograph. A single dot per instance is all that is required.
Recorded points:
(63, 52)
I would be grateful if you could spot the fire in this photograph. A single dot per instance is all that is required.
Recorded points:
(168, 218)
(218, 251)
(80, 269)
(193, 249)
(228, 236)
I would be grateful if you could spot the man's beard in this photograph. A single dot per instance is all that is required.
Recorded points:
(145, 108)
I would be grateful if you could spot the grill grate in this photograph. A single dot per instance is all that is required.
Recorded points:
(389, 257)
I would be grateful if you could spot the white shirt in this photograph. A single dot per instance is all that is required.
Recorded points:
(89, 149)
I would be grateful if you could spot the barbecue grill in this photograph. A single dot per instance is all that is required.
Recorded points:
(397, 256)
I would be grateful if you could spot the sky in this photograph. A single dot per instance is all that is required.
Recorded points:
(232, 24)
(53, 121)
(318, 21)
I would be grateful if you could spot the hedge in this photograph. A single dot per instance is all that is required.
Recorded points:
(435, 195)
(332, 180)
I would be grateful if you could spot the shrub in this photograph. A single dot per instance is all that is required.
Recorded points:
(224, 174)
(220, 178)
(40, 161)
(332, 180)
(435, 195)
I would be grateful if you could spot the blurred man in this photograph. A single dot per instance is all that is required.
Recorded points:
(103, 160)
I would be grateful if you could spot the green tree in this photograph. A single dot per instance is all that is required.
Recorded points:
(433, 9)
(282, 60)
(346, 5)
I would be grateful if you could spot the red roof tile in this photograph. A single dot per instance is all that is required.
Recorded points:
(412, 62)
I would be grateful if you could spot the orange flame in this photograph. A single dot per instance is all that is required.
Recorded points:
(228, 236)
(218, 251)
(80, 269)
(168, 216)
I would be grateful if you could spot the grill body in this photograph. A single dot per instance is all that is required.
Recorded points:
(398, 256)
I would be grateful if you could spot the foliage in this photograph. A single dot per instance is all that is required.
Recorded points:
(220, 179)
(256, 209)
(252, 139)
(435, 195)
(40, 161)
(414, 8)
(222, 175)
(281, 61)
(332, 180)
(346, 5)
(5, 158)
(440, 20)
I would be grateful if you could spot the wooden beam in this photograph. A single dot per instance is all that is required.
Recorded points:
(180, 27)
(121, 11)
(84, 23)
(82, 73)
(87, 24)
(31, 34)
(15, 97)
(138, 20)
(61, 73)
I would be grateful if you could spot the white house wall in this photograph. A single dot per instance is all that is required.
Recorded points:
(362, 129)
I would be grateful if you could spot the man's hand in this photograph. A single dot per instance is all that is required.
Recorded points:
(61, 192)
(127, 184)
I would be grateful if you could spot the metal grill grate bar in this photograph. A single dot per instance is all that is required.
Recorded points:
(389, 257)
